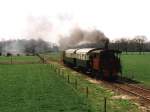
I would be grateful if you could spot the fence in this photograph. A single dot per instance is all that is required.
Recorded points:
(103, 104)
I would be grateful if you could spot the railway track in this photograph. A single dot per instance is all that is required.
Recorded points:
(142, 93)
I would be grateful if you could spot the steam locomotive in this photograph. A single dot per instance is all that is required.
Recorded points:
(100, 63)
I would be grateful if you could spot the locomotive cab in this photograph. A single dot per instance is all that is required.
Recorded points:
(110, 64)
(105, 64)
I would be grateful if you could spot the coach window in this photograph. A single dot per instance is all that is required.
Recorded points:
(84, 57)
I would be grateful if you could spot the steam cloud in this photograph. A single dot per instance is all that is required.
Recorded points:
(39, 28)
(83, 38)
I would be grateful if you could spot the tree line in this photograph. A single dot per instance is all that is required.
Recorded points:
(32, 46)
(28, 47)
(137, 44)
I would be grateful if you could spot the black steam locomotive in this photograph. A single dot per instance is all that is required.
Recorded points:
(102, 63)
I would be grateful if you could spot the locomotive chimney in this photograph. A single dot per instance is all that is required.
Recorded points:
(106, 44)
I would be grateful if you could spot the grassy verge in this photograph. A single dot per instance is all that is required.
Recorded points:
(96, 93)
(56, 56)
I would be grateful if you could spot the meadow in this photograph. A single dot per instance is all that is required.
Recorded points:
(54, 56)
(137, 67)
(19, 59)
(36, 88)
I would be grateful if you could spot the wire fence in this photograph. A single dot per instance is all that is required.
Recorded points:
(20, 60)
(102, 104)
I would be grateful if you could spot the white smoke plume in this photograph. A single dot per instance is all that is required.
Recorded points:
(39, 28)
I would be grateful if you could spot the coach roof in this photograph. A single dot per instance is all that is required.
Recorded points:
(70, 50)
(86, 50)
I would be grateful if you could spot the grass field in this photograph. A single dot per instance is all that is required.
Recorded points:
(137, 66)
(19, 59)
(34, 88)
(54, 56)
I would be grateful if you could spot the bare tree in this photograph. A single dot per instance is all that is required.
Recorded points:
(140, 39)
(117, 45)
(124, 44)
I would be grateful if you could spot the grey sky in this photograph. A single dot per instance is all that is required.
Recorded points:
(116, 18)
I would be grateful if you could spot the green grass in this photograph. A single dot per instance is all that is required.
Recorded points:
(137, 66)
(54, 56)
(19, 59)
(36, 88)
(135, 53)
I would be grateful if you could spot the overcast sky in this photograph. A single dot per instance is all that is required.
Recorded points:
(116, 18)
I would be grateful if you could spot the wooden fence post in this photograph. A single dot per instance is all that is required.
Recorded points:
(63, 75)
(11, 59)
(87, 91)
(76, 84)
(68, 79)
(105, 99)
(58, 71)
